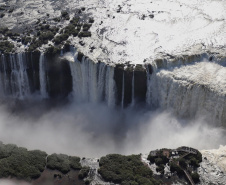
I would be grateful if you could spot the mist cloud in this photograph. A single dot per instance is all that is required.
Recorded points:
(93, 130)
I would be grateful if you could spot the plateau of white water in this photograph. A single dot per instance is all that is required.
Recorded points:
(42, 76)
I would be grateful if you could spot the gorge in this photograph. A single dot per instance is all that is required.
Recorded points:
(94, 77)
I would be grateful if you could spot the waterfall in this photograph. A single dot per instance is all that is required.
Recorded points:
(110, 87)
(2, 73)
(190, 91)
(133, 90)
(148, 94)
(42, 76)
(152, 88)
(4, 79)
(123, 90)
(101, 79)
(91, 81)
(19, 79)
(14, 80)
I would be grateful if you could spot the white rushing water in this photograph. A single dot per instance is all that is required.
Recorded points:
(92, 82)
(190, 91)
(42, 76)
(123, 90)
(15, 83)
(133, 91)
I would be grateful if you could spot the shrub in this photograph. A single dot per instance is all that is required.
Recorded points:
(69, 29)
(75, 162)
(6, 46)
(20, 163)
(85, 34)
(195, 177)
(160, 169)
(183, 163)
(45, 36)
(151, 159)
(125, 169)
(60, 38)
(175, 168)
(91, 20)
(56, 19)
(26, 40)
(3, 30)
(63, 163)
(52, 50)
(158, 161)
(2, 15)
(58, 162)
(65, 15)
(83, 173)
(194, 162)
(86, 27)
(75, 21)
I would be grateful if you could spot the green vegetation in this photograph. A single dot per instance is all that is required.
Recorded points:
(84, 34)
(65, 15)
(183, 163)
(8, 33)
(60, 38)
(3, 30)
(158, 159)
(83, 173)
(194, 158)
(20, 163)
(2, 15)
(70, 30)
(125, 170)
(6, 46)
(45, 34)
(63, 163)
(160, 169)
(74, 21)
(195, 177)
(175, 168)
(52, 50)
(26, 40)
(57, 19)
(86, 27)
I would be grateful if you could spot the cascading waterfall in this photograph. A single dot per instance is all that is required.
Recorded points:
(133, 91)
(152, 92)
(123, 90)
(42, 76)
(101, 79)
(4, 83)
(92, 82)
(110, 87)
(189, 91)
(16, 83)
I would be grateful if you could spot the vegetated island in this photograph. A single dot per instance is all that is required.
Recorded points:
(163, 166)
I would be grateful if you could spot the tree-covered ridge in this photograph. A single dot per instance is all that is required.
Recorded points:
(125, 170)
(21, 163)
(63, 163)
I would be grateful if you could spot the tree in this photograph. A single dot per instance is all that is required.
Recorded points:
(195, 177)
